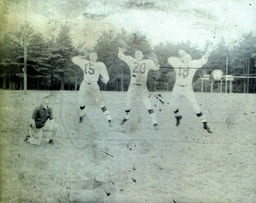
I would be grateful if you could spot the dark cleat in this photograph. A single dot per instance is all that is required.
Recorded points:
(51, 141)
(81, 118)
(206, 127)
(109, 123)
(123, 121)
(26, 138)
(155, 126)
(178, 118)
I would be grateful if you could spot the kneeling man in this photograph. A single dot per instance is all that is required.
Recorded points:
(42, 124)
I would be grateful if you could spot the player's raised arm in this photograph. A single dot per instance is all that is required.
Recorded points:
(201, 62)
(76, 60)
(81, 56)
(153, 61)
(121, 53)
(153, 64)
(104, 74)
(174, 62)
(127, 59)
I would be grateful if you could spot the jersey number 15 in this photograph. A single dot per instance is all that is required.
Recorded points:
(89, 69)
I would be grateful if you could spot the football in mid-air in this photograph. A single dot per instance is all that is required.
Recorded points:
(217, 74)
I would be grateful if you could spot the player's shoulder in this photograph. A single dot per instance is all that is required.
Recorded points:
(79, 59)
(174, 61)
(148, 61)
(173, 58)
(130, 58)
(76, 58)
(195, 63)
(100, 64)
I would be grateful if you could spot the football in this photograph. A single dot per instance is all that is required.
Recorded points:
(217, 74)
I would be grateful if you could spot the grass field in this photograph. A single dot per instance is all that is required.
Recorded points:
(91, 162)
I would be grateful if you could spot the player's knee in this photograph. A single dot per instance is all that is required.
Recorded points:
(54, 126)
(50, 125)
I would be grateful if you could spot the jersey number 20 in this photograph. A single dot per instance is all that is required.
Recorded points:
(139, 68)
(89, 70)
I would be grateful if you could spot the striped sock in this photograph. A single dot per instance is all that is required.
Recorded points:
(82, 110)
(106, 113)
(201, 116)
(153, 116)
(176, 113)
(127, 112)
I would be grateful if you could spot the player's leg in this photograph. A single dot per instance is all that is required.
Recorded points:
(35, 135)
(82, 94)
(50, 129)
(30, 131)
(39, 136)
(146, 100)
(129, 96)
(100, 101)
(192, 99)
(176, 100)
(107, 114)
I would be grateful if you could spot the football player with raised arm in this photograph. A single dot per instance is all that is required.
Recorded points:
(139, 68)
(185, 69)
(93, 70)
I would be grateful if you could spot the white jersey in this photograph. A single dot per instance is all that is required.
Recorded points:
(92, 71)
(139, 69)
(185, 72)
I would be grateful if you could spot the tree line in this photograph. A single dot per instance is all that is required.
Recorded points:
(49, 59)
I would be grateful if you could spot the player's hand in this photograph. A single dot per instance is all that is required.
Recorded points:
(31, 123)
(83, 52)
(102, 79)
(80, 45)
(154, 59)
(122, 44)
(121, 50)
(210, 48)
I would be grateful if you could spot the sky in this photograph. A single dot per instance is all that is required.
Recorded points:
(161, 21)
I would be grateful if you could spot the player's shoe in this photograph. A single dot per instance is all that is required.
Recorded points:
(26, 138)
(110, 123)
(178, 118)
(206, 127)
(123, 121)
(81, 118)
(155, 126)
(50, 141)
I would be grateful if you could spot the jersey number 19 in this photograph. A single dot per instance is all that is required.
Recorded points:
(183, 72)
